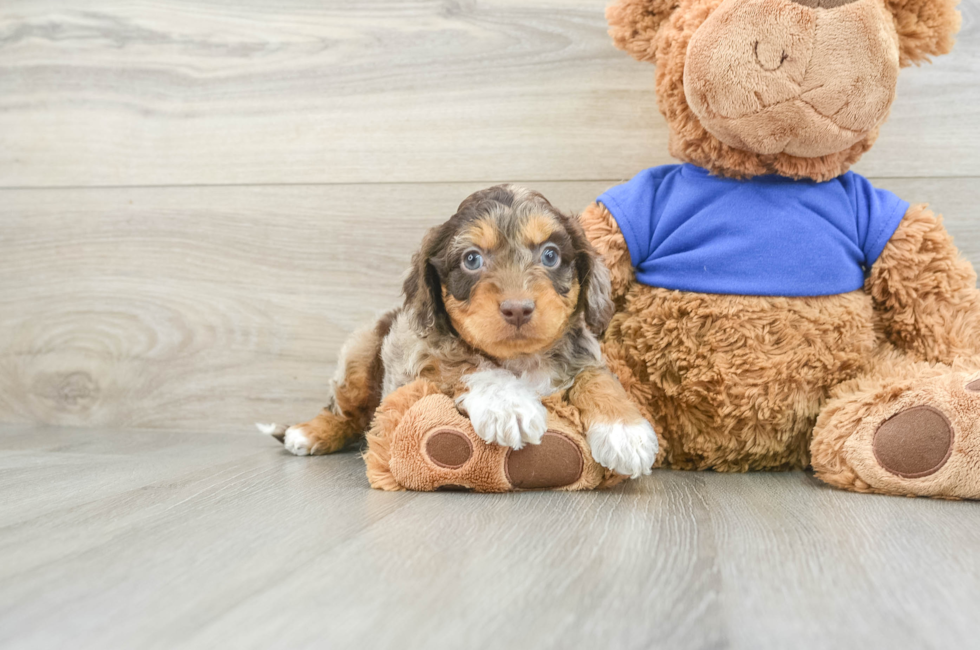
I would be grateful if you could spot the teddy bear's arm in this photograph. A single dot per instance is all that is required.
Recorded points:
(603, 231)
(925, 293)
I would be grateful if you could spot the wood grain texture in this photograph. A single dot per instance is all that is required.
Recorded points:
(102, 93)
(210, 308)
(228, 541)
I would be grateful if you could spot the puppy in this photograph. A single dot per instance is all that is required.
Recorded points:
(503, 305)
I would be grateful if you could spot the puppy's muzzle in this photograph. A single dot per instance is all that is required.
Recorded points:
(517, 312)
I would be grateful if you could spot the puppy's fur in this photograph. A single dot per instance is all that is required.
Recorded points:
(505, 246)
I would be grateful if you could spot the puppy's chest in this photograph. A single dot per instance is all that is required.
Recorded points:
(541, 376)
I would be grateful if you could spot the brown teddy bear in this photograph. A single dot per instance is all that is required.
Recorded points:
(774, 310)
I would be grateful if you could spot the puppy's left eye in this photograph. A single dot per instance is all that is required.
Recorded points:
(550, 257)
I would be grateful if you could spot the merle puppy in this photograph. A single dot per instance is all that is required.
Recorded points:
(503, 305)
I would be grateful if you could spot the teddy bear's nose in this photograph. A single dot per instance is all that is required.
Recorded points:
(823, 4)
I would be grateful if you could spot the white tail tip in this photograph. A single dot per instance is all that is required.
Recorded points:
(271, 429)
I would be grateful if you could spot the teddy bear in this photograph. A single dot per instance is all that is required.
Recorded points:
(774, 310)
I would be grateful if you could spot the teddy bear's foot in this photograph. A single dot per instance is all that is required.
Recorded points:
(556, 462)
(434, 447)
(912, 435)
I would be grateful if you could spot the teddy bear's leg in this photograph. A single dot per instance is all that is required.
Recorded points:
(420, 441)
(905, 428)
(386, 420)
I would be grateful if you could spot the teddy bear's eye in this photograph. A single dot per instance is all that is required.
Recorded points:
(472, 261)
(550, 257)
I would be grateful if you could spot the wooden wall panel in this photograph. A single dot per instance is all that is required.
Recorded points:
(103, 93)
(200, 199)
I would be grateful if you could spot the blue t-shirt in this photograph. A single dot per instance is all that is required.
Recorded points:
(768, 236)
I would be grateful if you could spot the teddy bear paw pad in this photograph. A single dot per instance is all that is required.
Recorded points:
(555, 462)
(974, 386)
(448, 448)
(914, 443)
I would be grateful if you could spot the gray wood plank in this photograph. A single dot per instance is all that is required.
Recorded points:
(211, 308)
(133, 532)
(261, 549)
(805, 564)
(176, 92)
(77, 465)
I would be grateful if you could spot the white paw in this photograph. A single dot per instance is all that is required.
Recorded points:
(628, 449)
(296, 441)
(503, 409)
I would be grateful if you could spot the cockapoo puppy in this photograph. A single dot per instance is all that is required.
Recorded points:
(503, 305)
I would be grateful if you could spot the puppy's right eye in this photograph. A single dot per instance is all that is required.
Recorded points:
(472, 261)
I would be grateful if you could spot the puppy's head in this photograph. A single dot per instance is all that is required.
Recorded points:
(509, 274)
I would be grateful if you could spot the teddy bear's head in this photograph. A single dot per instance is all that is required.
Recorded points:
(791, 87)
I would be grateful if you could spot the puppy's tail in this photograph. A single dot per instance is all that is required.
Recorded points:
(277, 431)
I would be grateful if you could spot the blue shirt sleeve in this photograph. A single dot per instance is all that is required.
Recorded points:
(632, 206)
(878, 214)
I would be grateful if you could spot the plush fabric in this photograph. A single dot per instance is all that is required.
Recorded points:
(768, 236)
(843, 442)
(772, 77)
(874, 384)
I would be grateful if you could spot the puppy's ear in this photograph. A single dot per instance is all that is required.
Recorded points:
(633, 25)
(599, 306)
(925, 28)
(423, 287)
(595, 296)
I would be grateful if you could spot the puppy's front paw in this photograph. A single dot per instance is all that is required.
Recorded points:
(503, 410)
(628, 449)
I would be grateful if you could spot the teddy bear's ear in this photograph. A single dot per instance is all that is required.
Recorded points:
(925, 28)
(633, 25)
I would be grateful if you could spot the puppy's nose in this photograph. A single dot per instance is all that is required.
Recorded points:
(517, 312)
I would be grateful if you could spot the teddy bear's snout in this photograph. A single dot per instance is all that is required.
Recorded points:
(803, 77)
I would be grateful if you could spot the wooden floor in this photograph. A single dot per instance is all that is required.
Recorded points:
(181, 539)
